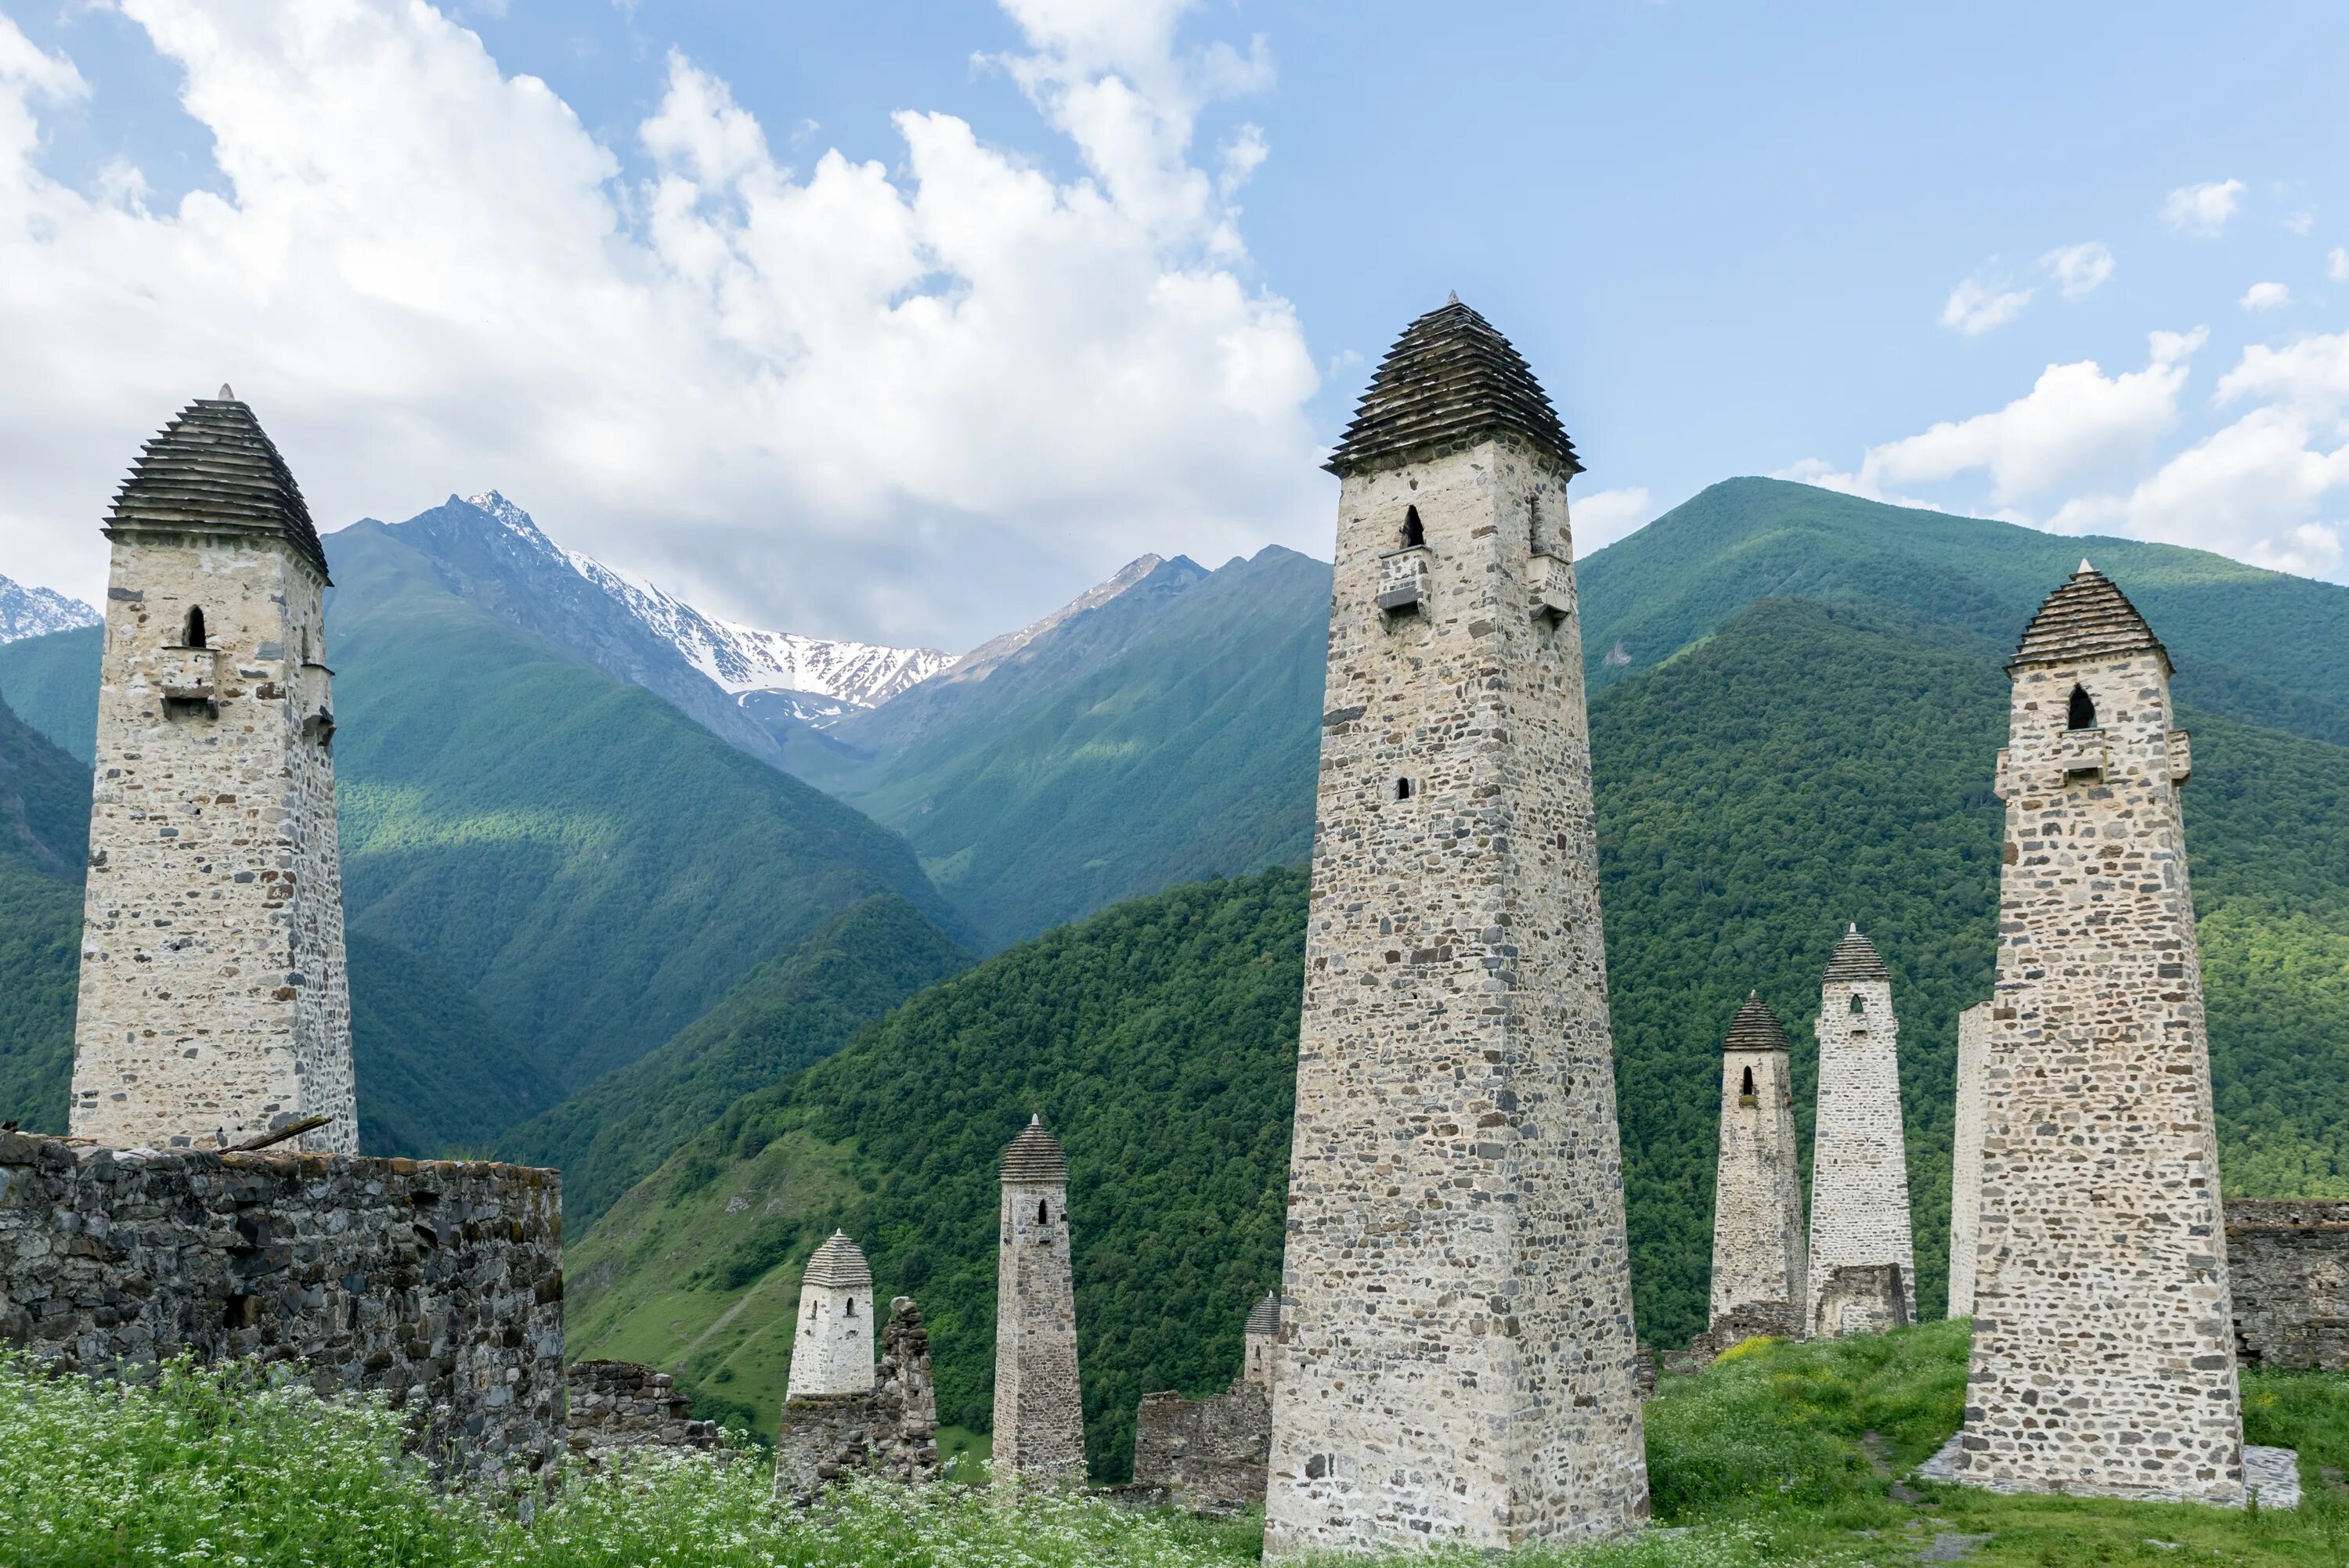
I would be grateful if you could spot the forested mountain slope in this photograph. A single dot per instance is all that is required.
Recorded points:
(793, 1010)
(1806, 764)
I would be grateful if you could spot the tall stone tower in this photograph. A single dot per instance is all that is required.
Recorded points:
(833, 1351)
(1458, 1360)
(214, 1003)
(1859, 1160)
(1965, 1155)
(1040, 1418)
(1261, 1340)
(2104, 1356)
(1757, 1197)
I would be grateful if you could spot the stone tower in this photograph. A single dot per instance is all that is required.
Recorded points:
(2104, 1358)
(1040, 1420)
(1757, 1198)
(832, 1353)
(1457, 1364)
(1965, 1155)
(214, 1000)
(1860, 1163)
(1261, 1340)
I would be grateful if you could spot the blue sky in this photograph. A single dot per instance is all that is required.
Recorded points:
(1842, 242)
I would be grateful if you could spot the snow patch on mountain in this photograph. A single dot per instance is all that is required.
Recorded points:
(28, 611)
(818, 679)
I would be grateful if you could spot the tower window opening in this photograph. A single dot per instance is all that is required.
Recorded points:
(192, 630)
(1043, 1212)
(1533, 523)
(1858, 1005)
(1403, 789)
(1745, 1084)
(1414, 534)
(2083, 714)
(849, 1310)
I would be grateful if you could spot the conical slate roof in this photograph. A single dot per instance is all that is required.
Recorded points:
(1756, 1028)
(1264, 1318)
(2088, 618)
(838, 1266)
(1035, 1157)
(1450, 377)
(213, 467)
(1855, 959)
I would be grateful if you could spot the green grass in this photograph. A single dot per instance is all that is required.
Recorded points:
(1779, 1454)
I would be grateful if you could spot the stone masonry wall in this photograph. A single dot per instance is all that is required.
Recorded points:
(2288, 1267)
(214, 996)
(2102, 1356)
(616, 1405)
(438, 1283)
(1965, 1155)
(1757, 1201)
(1207, 1455)
(1859, 1170)
(1040, 1423)
(1458, 1359)
(1861, 1298)
(891, 1430)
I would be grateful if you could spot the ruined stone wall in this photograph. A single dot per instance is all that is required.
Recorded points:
(1458, 1359)
(1859, 1166)
(439, 1284)
(2288, 1267)
(890, 1430)
(2103, 1358)
(1039, 1422)
(616, 1405)
(1965, 1156)
(1208, 1455)
(214, 996)
(1861, 1298)
(1757, 1196)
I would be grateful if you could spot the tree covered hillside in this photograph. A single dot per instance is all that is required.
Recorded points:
(1804, 765)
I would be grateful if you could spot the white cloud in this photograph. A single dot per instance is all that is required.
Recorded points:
(2202, 210)
(2074, 422)
(2336, 264)
(2301, 222)
(1605, 516)
(2266, 296)
(1980, 303)
(2079, 270)
(919, 404)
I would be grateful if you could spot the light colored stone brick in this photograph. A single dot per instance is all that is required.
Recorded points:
(1757, 1194)
(832, 1348)
(1859, 1160)
(1965, 1155)
(1039, 1415)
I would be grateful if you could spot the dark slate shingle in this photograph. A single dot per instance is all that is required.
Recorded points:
(2088, 618)
(1449, 378)
(213, 467)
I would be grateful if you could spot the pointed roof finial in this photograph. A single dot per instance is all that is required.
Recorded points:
(1452, 297)
(227, 396)
(2084, 567)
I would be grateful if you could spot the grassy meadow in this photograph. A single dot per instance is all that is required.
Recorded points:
(1778, 1454)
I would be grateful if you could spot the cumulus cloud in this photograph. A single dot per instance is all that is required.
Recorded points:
(2265, 296)
(1605, 516)
(1979, 305)
(2079, 270)
(2074, 422)
(2336, 264)
(2202, 210)
(916, 403)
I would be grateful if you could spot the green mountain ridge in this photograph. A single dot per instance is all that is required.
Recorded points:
(790, 1012)
(1802, 765)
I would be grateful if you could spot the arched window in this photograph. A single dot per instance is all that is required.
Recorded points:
(1413, 533)
(1403, 789)
(850, 1311)
(1043, 1212)
(192, 630)
(1745, 1085)
(2083, 711)
(1857, 1004)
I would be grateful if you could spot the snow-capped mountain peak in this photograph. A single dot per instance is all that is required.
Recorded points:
(28, 611)
(819, 678)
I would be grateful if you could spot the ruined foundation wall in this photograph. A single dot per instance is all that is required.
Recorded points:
(621, 1405)
(2287, 1259)
(890, 1430)
(1206, 1454)
(439, 1284)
